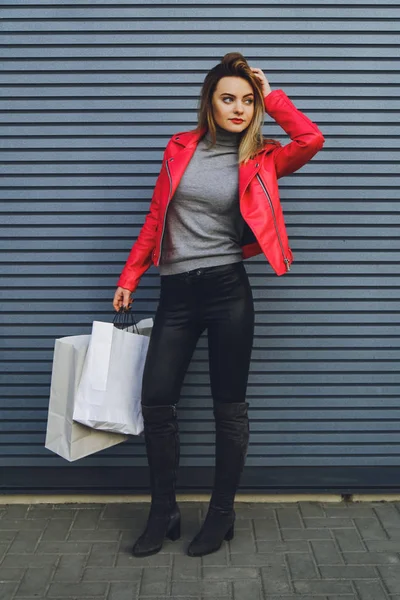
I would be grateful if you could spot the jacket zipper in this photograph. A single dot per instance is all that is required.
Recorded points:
(285, 259)
(166, 208)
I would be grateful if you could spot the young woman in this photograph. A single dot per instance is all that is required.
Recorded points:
(215, 203)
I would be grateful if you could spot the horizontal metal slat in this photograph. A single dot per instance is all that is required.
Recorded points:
(156, 3)
(205, 35)
(196, 25)
(157, 78)
(278, 61)
(253, 51)
(174, 10)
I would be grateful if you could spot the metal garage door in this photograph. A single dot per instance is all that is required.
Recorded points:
(83, 84)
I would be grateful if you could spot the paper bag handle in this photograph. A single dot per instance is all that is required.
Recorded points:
(124, 319)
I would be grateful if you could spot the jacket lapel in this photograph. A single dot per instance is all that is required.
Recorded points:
(182, 149)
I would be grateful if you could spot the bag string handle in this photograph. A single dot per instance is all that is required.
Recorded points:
(124, 318)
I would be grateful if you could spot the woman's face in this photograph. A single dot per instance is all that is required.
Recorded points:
(233, 98)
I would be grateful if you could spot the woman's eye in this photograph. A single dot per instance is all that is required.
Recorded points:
(249, 100)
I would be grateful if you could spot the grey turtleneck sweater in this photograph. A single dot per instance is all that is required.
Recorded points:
(203, 223)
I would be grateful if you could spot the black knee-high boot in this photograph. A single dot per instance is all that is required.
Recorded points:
(162, 445)
(231, 444)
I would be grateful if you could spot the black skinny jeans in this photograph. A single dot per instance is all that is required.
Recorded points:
(218, 299)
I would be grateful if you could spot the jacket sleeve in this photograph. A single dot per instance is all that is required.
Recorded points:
(140, 256)
(306, 137)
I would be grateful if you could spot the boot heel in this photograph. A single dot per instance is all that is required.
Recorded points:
(229, 534)
(175, 532)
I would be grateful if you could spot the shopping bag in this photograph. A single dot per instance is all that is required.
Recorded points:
(64, 437)
(109, 393)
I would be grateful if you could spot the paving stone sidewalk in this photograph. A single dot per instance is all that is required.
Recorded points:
(287, 551)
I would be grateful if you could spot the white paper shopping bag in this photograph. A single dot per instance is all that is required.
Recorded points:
(109, 393)
(64, 437)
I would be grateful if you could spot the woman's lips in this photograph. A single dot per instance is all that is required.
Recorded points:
(237, 120)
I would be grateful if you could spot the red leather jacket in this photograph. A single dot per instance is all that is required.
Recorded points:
(260, 205)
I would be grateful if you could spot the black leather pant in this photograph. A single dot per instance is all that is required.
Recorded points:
(218, 299)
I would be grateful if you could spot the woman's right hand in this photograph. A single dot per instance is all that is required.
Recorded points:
(122, 297)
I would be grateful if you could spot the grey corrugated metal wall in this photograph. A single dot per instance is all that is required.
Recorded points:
(91, 92)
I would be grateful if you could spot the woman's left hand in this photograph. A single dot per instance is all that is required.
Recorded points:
(264, 81)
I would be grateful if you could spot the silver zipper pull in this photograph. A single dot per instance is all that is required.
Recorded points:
(287, 264)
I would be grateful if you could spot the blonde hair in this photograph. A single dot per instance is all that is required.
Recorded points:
(234, 64)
